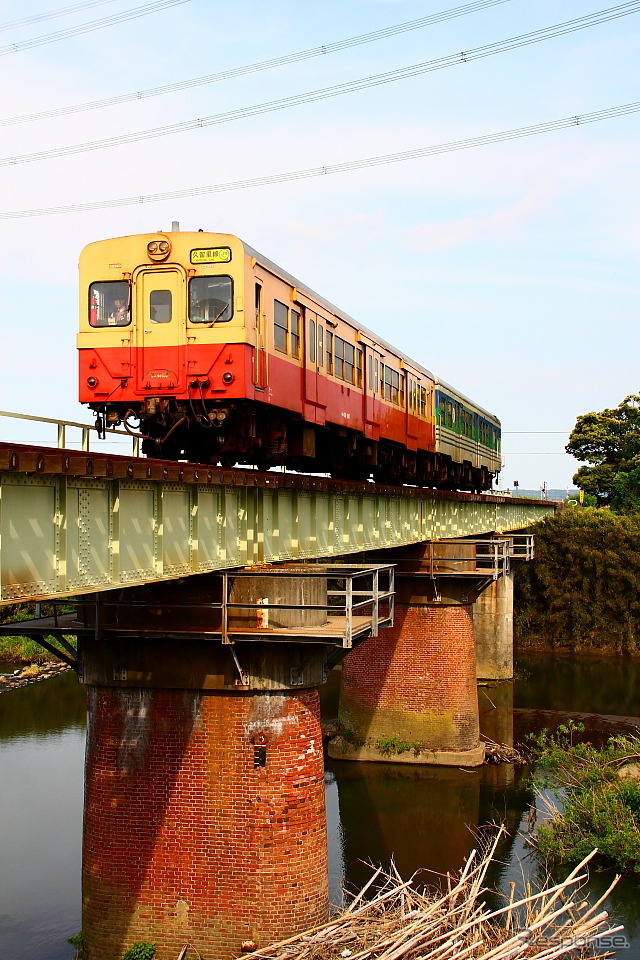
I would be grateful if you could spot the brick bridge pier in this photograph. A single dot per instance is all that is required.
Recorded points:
(204, 798)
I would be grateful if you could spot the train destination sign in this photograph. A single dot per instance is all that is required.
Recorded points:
(211, 255)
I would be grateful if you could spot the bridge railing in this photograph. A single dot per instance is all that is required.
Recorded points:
(62, 427)
(359, 601)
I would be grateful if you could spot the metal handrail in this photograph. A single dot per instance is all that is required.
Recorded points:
(62, 430)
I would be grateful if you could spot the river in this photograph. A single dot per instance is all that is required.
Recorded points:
(421, 816)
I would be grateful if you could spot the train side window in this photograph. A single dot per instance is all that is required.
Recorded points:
(339, 346)
(160, 306)
(396, 387)
(295, 334)
(280, 327)
(320, 345)
(109, 304)
(211, 299)
(312, 341)
(359, 368)
(329, 352)
(388, 383)
(349, 362)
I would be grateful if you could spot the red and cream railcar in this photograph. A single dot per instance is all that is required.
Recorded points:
(214, 354)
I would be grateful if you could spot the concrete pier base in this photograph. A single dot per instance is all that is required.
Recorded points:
(409, 695)
(493, 627)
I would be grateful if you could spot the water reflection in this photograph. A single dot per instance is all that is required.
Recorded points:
(424, 817)
(41, 792)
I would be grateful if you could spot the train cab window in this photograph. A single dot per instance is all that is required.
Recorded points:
(320, 345)
(109, 304)
(160, 306)
(401, 390)
(280, 327)
(375, 376)
(312, 341)
(329, 352)
(295, 334)
(359, 368)
(210, 299)
(423, 401)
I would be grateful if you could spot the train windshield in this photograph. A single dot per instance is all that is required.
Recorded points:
(210, 299)
(109, 304)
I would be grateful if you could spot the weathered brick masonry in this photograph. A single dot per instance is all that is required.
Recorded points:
(188, 837)
(415, 682)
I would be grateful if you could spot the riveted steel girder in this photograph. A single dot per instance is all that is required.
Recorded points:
(61, 535)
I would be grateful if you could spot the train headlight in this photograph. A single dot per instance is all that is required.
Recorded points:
(159, 249)
(92, 382)
(228, 378)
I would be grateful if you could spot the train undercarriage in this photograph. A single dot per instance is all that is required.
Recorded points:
(253, 434)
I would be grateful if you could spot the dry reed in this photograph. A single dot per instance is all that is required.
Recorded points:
(390, 919)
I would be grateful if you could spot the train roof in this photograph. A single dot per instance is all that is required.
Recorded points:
(275, 268)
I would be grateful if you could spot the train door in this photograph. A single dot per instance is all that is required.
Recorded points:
(310, 321)
(314, 389)
(161, 310)
(260, 352)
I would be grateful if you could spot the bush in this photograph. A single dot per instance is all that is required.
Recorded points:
(583, 588)
(598, 808)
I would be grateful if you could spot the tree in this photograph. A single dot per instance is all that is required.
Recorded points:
(610, 442)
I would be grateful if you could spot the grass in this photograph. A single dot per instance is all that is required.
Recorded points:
(24, 649)
(598, 807)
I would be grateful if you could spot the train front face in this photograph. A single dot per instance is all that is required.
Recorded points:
(163, 341)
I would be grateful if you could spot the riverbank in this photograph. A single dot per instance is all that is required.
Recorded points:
(32, 673)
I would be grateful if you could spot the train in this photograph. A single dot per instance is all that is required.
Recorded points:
(214, 354)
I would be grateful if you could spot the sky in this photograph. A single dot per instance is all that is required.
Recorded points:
(509, 269)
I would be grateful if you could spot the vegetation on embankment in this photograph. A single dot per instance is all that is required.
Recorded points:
(582, 591)
(23, 649)
(600, 799)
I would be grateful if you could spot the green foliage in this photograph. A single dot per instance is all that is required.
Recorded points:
(394, 745)
(625, 498)
(140, 950)
(583, 588)
(610, 442)
(588, 500)
(77, 943)
(599, 809)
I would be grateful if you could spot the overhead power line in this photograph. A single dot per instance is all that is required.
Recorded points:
(261, 65)
(89, 27)
(337, 90)
(53, 14)
(431, 151)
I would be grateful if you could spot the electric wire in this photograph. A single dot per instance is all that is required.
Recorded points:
(441, 148)
(90, 26)
(476, 53)
(259, 66)
(53, 14)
